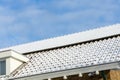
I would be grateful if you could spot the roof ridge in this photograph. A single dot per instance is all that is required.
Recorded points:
(90, 34)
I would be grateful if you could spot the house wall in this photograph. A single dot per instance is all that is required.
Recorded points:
(11, 65)
(13, 60)
(115, 74)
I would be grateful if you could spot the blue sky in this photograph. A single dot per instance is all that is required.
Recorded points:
(23, 21)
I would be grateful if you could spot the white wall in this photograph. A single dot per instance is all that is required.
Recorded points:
(11, 65)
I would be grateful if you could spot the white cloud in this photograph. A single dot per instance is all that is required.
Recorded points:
(35, 21)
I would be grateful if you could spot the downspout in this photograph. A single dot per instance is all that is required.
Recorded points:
(103, 75)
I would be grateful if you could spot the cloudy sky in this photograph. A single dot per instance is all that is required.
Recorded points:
(23, 21)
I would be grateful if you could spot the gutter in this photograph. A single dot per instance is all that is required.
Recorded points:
(48, 75)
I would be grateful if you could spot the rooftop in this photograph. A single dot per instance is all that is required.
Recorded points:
(67, 39)
(83, 52)
(71, 57)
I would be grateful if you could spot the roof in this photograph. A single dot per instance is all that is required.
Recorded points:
(67, 39)
(92, 50)
(74, 56)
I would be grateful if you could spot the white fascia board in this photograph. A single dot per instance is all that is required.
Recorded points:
(101, 67)
(67, 39)
(13, 54)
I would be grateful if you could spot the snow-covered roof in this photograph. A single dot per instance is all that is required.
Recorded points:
(67, 39)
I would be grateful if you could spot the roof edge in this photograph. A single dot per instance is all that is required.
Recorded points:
(67, 39)
(101, 67)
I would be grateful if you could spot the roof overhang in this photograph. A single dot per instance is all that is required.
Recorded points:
(101, 67)
(13, 54)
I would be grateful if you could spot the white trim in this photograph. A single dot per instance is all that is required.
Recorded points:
(69, 72)
(67, 40)
(13, 54)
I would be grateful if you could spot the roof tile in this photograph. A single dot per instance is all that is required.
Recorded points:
(73, 56)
